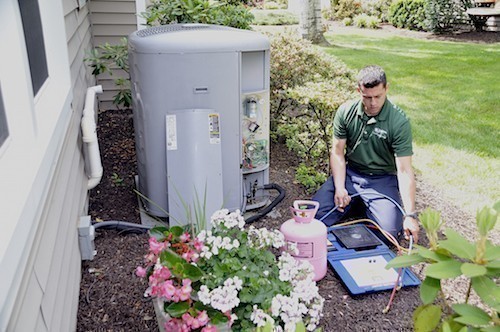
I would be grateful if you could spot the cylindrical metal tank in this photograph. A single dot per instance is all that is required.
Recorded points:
(191, 87)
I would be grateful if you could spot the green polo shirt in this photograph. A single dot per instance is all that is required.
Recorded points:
(373, 142)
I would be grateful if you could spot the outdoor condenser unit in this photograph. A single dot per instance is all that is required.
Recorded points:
(201, 115)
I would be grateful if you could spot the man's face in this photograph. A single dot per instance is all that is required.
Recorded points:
(373, 98)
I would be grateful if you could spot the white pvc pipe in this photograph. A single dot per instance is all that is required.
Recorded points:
(89, 137)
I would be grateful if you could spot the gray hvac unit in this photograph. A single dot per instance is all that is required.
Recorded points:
(201, 115)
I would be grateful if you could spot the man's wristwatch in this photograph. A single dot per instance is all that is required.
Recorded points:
(412, 215)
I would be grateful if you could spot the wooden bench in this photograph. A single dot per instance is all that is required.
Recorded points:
(480, 14)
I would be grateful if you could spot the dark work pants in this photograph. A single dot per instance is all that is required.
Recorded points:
(376, 207)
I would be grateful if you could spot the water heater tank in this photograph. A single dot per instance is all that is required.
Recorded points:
(201, 115)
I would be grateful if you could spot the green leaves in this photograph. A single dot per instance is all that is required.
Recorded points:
(426, 318)
(473, 270)
(458, 245)
(405, 261)
(431, 221)
(470, 315)
(453, 257)
(177, 309)
(487, 290)
(486, 219)
(179, 267)
(444, 270)
(429, 290)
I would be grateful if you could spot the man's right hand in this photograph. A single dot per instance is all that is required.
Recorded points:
(342, 199)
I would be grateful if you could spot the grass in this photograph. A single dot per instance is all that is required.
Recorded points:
(451, 92)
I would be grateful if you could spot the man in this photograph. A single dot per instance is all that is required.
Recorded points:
(371, 158)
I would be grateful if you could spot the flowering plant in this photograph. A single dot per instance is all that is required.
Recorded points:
(229, 275)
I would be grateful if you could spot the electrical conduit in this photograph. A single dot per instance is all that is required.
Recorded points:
(89, 138)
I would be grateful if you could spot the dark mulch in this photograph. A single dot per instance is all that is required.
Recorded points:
(111, 296)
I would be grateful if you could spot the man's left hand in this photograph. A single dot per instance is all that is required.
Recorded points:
(410, 226)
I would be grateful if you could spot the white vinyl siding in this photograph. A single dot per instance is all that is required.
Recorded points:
(44, 187)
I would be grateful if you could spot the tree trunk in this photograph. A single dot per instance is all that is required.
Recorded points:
(310, 25)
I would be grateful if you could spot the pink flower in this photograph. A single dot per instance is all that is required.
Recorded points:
(185, 237)
(176, 325)
(168, 290)
(202, 318)
(188, 319)
(156, 246)
(209, 328)
(164, 273)
(198, 245)
(191, 256)
(140, 272)
(184, 293)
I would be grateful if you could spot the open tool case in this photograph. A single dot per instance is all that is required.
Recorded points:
(359, 258)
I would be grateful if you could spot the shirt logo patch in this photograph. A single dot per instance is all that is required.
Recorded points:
(380, 133)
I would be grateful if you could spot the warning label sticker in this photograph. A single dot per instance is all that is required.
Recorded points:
(305, 249)
(214, 128)
(171, 122)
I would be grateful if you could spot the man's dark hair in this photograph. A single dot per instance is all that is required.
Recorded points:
(371, 76)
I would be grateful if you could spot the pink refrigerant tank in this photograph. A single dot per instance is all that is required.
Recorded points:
(308, 234)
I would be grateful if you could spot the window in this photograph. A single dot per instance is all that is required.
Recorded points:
(4, 130)
(33, 34)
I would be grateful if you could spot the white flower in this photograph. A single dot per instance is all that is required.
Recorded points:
(204, 295)
(259, 317)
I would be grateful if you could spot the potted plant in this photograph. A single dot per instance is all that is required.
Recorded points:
(229, 278)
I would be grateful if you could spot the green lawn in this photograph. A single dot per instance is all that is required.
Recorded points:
(451, 91)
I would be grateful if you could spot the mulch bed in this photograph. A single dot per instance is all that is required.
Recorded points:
(111, 296)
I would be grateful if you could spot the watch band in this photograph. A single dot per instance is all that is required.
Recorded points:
(412, 215)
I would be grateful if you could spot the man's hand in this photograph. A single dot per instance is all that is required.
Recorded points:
(410, 226)
(341, 199)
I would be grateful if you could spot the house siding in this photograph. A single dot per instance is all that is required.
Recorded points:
(50, 299)
(40, 264)
(112, 20)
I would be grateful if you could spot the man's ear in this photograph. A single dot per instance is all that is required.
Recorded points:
(387, 87)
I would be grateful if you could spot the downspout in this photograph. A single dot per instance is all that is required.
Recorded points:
(89, 137)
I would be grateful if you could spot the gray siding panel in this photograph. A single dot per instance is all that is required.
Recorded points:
(111, 21)
(48, 299)
(50, 295)
(112, 7)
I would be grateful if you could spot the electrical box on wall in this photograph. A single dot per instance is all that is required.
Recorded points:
(201, 115)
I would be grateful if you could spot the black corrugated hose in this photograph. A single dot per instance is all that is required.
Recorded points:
(268, 208)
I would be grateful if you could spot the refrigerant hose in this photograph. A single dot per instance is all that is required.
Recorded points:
(268, 208)
(122, 226)
(367, 192)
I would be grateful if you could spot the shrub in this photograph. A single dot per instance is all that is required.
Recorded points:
(106, 57)
(456, 257)
(347, 8)
(445, 15)
(233, 16)
(347, 21)
(310, 177)
(295, 61)
(307, 87)
(162, 12)
(409, 14)
(307, 127)
(328, 14)
(366, 21)
(377, 8)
